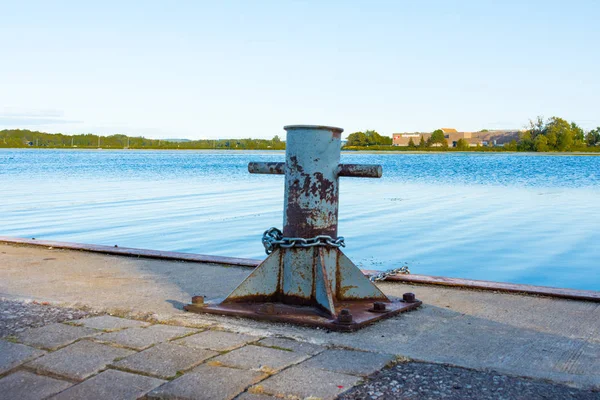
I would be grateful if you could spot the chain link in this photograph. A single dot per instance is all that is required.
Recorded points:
(390, 272)
(273, 238)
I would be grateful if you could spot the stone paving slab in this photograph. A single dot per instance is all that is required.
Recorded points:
(292, 345)
(142, 338)
(217, 340)
(208, 383)
(349, 361)
(165, 360)
(23, 385)
(111, 384)
(13, 354)
(109, 323)
(305, 382)
(265, 359)
(54, 336)
(79, 360)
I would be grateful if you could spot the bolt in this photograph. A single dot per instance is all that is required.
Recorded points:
(345, 317)
(198, 300)
(379, 306)
(409, 297)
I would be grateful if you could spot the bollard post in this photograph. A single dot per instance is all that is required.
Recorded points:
(307, 279)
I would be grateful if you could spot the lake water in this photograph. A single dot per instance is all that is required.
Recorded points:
(501, 217)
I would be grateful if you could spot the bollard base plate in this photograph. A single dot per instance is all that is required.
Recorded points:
(362, 314)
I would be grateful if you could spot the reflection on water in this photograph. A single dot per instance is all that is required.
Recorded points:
(512, 218)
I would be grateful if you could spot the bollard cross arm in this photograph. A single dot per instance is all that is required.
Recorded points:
(272, 168)
(360, 170)
(348, 170)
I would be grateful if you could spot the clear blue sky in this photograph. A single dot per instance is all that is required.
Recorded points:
(246, 68)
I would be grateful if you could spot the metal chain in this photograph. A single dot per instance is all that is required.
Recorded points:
(390, 272)
(273, 238)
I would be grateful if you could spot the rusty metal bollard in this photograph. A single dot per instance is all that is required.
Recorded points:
(306, 277)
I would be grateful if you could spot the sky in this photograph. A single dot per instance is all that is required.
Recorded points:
(239, 69)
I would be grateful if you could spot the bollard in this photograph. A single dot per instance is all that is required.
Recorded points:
(307, 279)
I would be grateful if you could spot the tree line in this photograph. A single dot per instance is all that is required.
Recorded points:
(368, 138)
(556, 134)
(553, 134)
(26, 138)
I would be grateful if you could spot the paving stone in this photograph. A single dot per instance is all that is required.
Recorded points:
(217, 340)
(110, 323)
(53, 336)
(23, 385)
(349, 361)
(142, 338)
(111, 384)
(292, 345)
(79, 360)
(259, 358)
(207, 383)
(306, 383)
(13, 354)
(165, 360)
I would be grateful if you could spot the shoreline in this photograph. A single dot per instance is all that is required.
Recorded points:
(379, 152)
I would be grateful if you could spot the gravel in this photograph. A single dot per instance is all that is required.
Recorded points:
(16, 316)
(416, 380)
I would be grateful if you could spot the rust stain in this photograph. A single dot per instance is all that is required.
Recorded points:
(343, 290)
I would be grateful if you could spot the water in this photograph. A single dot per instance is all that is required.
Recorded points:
(501, 217)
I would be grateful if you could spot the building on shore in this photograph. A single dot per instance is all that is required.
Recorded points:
(483, 138)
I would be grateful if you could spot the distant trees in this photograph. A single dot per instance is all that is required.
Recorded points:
(511, 146)
(555, 134)
(368, 138)
(540, 143)
(559, 134)
(593, 137)
(437, 137)
(462, 144)
(27, 138)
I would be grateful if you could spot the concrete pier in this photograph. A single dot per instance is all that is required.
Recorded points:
(528, 336)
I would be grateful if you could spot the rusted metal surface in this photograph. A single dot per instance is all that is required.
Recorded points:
(134, 252)
(575, 294)
(271, 168)
(307, 316)
(409, 297)
(360, 170)
(301, 281)
(311, 182)
(316, 276)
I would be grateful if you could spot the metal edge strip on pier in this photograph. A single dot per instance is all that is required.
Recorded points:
(133, 252)
(575, 294)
